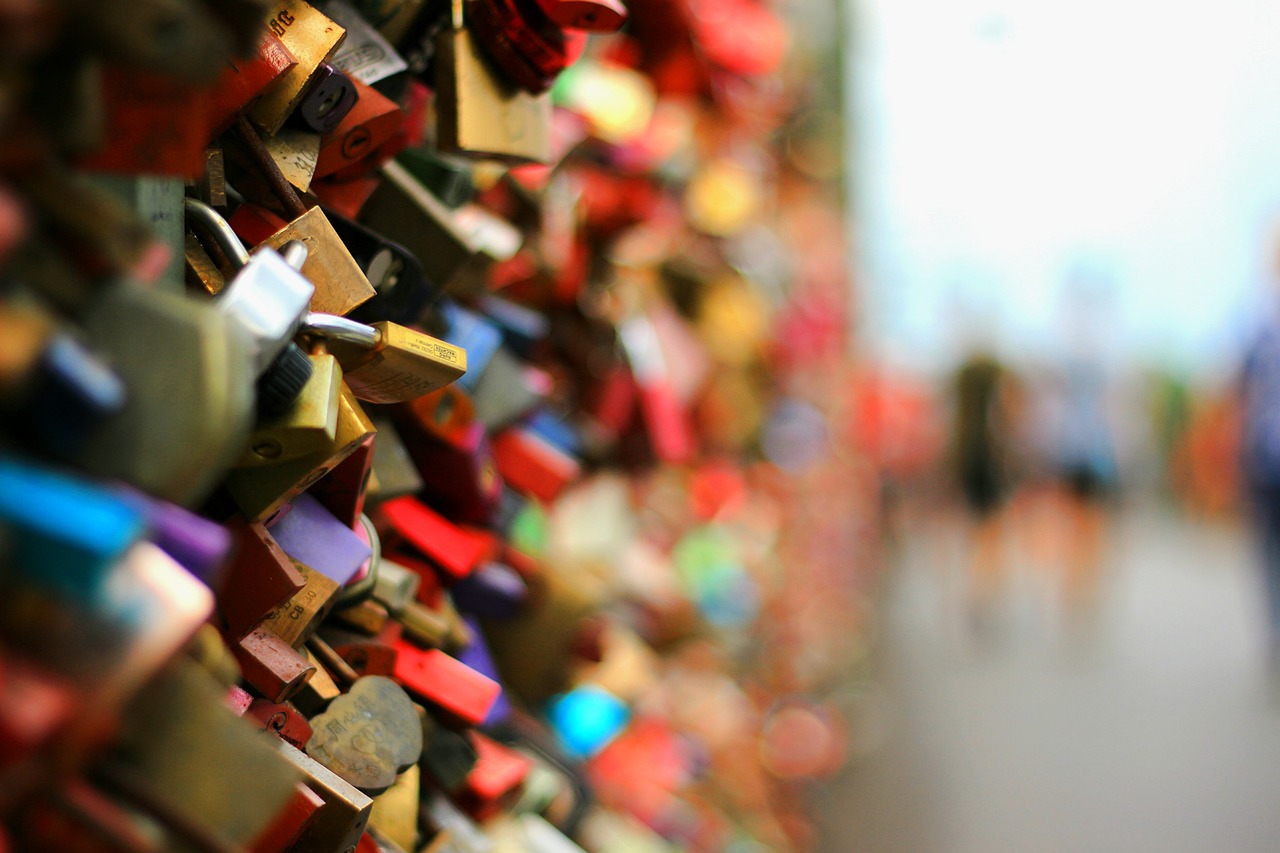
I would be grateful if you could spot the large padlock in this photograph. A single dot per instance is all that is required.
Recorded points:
(339, 282)
(478, 112)
(190, 392)
(387, 362)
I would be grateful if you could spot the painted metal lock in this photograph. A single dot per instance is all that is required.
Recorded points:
(387, 362)
(258, 581)
(530, 49)
(312, 38)
(597, 16)
(310, 534)
(373, 121)
(282, 720)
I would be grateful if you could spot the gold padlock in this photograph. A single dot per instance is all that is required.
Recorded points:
(312, 38)
(395, 811)
(386, 362)
(310, 424)
(262, 490)
(480, 114)
(340, 283)
(299, 617)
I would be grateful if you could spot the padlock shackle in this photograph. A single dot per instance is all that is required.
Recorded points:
(331, 327)
(217, 228)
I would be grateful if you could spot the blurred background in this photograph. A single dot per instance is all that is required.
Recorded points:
(1066, 224)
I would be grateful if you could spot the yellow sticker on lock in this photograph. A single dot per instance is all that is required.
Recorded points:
(403, 365)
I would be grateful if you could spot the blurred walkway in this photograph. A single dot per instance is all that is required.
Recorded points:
(1151, 731)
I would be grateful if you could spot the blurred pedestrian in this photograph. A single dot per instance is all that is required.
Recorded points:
(981, 443)
(1259, 387)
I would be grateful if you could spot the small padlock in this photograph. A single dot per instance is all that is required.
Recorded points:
(387, 362)
(339, 282)
(271, 666)
(329, 97)
(299, 617)
(243, 81)
(597, 16)
(260, 580)
(263, 490)
(310, 534)
(368, 126)
(282, 720)
(530, 49)
(312, 38)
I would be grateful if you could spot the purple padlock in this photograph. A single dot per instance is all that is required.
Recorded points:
(313, 536)
(330, 96)
(197, 544)
(492, 590)
(476, 655)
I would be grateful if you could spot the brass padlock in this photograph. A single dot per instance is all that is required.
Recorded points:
(478, 112)
(310, 425)
(262, 490)
(339, 282)
(387, 362)
(299, 617)
(312, 38)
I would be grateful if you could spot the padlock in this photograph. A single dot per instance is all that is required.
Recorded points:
(387, 362)
(261, 491)
(329, 97)
(299, 617)
(368, 617)
(53, 392)
(478, 113)
(312, 38)
(456, 550)
(521, 40)
(405, 211)
(510, 390)
(199, 545)
(374, 710)
(287, 827)
(140, 135)
(395, 812)
(190, 386)
(271, 666)
(370, 124)
(475, 333)
(311, 535)
(532, 465)
(447, 178)
(175, 730)
(393, 474)
(460, 478)
(494, 782)
(397, 586)
(404, 292)
(366, 54)
(338, 824)
(258, 581)
(322, 689)
(462, 695)
(343, 490)
(340, 285)
(282, 720)
(308, 425)
(244, 80)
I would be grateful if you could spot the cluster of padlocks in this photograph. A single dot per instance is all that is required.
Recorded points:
(416, 429)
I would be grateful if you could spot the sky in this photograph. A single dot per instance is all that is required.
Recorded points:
(1011, 155)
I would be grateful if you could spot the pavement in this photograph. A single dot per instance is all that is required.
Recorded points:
(1147, 724)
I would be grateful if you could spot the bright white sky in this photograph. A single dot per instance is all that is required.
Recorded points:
(998, 141)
